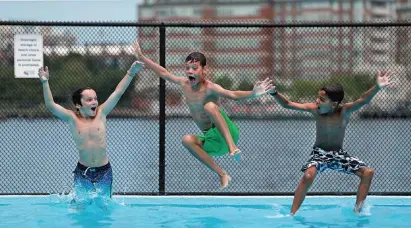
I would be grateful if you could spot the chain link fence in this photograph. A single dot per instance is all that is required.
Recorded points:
(145, 130)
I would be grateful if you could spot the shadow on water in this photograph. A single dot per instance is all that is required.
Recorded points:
(201, 206)
(311, 224)
(245, 206)
(203, 221)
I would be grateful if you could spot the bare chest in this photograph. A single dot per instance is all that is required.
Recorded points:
(330, 124)
(195, 99)
(94, 129)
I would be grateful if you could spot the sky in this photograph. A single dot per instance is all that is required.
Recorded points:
(77, 10)
(69, 10)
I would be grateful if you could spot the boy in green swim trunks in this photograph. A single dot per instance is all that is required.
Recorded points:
(220, 135)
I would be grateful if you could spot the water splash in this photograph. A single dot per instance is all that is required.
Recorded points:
(122, 200)
(91, 202)
(61, 198)
(279, 211)
(366, 209)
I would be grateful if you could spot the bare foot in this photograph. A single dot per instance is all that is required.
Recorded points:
(236, 154)
(224, 181)
(357, 209)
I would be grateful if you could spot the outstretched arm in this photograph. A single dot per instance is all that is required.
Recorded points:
(54, 108)
(383, 80)
(113, 99)
(260, 88)
(285, 103)
(159, 70)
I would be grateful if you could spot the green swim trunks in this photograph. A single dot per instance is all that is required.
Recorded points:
(214, 143)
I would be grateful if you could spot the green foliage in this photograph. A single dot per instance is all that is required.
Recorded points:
(224, 81)
(75, 71)
(245, 85)
(19, 90)
(354, 85)
(66, 75)
(282, 88)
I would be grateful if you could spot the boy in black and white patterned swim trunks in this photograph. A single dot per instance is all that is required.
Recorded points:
(337, 160)
(332, 118)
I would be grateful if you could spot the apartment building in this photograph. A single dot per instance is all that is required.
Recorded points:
(241, 53)
(287, 53)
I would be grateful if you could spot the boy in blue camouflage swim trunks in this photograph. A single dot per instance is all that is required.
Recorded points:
(332, 118)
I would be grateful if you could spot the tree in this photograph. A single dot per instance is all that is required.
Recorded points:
(224, 81)
(245, 85)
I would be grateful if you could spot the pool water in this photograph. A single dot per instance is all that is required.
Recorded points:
(180, 211)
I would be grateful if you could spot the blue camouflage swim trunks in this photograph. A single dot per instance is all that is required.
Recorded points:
(334, 160)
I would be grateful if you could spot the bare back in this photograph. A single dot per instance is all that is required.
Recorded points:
(330, 130)
(90, 138)
(196, 99)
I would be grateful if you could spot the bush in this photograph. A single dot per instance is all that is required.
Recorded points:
(18, 89)
(354, 86)
(224, 81)
(245, 85)
(66, 75)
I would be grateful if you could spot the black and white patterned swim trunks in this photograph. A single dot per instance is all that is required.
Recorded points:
(334, 160)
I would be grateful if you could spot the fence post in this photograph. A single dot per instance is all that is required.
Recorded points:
(162, 117)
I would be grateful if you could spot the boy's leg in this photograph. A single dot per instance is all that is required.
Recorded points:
(303, 186)
(193, 144)
(213, 111)
(104, 185)
(366, 175)
(83, 188)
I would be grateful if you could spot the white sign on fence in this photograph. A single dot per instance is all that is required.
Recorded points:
(28, 55)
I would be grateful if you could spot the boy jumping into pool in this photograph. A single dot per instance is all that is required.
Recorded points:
(332, 118)
(220, 135)
(93, 174)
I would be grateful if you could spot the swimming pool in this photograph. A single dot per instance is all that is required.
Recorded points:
(182, 211)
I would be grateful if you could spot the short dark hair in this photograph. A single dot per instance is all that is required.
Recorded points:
(334, 91)
(197, 56)
(76, 97)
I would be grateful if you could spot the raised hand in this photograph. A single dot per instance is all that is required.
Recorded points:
(137, 50)
(262, 87)
(135, 68)
(44, 74)
(384, 79)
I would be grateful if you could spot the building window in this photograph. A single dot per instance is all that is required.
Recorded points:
(147, 31)
(346, 17)
(175, 59)
(315, 5)
(184, 44)
(236, 43)
(228, 11)
(179, 12)
(149, 44)
(375, 4)
(229, 60)
(183, 31)
(313, 64)
(346, 6)
(224, 12)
